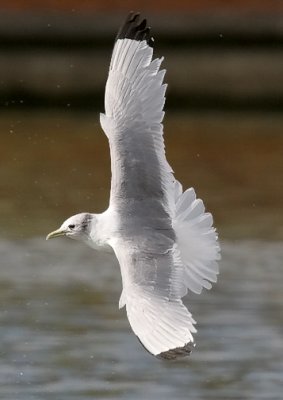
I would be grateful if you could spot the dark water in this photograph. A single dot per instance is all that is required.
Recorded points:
(62, 335)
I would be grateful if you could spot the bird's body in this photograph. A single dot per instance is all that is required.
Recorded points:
(162, 237)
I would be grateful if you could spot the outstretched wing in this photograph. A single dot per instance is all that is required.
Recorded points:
(152, 290)
(134, 100)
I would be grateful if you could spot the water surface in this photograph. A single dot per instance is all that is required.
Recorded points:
(62, 335)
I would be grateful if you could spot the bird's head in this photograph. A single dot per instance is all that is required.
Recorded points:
(76, 227)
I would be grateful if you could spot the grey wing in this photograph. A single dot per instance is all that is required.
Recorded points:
(152, 290)
(134, 100)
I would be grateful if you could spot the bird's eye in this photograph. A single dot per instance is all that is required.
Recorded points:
(71, 226)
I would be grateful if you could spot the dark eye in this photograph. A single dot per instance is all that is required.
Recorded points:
(71, 226)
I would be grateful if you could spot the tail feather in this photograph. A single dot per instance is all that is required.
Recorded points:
(196, 239)
(185, 200)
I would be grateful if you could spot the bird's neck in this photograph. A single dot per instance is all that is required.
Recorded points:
(99, 232)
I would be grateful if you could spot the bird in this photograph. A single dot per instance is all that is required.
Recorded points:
(161, 235)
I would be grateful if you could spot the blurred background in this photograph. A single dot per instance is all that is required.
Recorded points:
(62, 335)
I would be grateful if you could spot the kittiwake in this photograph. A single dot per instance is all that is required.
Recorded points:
(161, 235)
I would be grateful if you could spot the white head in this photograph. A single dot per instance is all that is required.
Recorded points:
(76, 227)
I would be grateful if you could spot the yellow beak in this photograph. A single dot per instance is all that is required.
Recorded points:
(58, 232)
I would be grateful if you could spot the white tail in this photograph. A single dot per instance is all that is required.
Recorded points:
(196, 239)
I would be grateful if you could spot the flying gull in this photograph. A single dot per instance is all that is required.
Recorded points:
(161, 235)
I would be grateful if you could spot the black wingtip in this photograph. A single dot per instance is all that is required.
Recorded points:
(135, 29)
(173, 354)
(178, 352)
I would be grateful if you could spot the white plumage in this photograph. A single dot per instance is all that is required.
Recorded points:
(162, 237)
